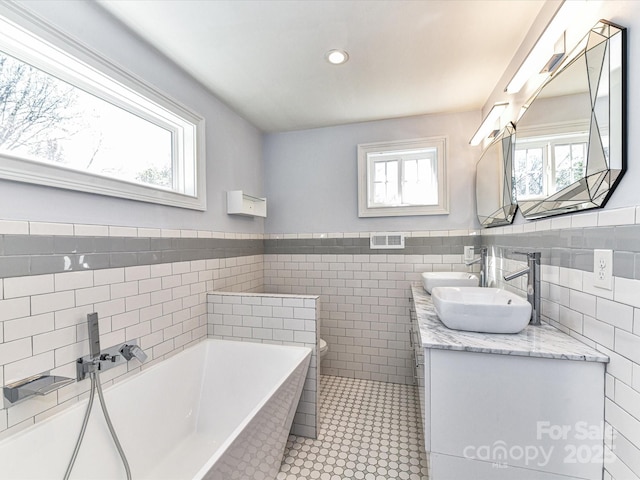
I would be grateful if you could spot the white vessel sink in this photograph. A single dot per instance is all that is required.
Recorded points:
(475, 309)
(431, 280)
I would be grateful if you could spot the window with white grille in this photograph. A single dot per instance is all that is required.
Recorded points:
(402, 178)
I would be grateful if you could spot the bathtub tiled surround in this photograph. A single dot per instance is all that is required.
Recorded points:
(368, 430)
(276, 319)
(163, 304)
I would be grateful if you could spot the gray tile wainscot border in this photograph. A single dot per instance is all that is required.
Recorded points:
(573, 248)
(453, 245)
(24, 255)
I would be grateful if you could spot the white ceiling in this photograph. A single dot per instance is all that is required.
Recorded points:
(266, 58)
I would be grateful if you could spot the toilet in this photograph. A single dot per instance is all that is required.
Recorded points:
(324, 348)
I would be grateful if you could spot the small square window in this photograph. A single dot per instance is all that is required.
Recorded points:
(402, 178)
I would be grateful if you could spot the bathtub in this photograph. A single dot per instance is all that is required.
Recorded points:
(219, 410)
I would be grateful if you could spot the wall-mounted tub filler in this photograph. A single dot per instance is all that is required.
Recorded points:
(102, 360)
(37, 385)
(109, 358)
(483, 260)
(91, 365)
(532, 270)
(131, 350)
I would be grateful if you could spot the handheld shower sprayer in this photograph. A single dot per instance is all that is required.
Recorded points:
(94, 335)
(90, 366)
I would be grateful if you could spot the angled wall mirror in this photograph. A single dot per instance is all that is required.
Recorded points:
(495, 204)
(570, 144)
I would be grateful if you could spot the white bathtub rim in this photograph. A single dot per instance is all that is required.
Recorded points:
(81, 404)
(245, 421)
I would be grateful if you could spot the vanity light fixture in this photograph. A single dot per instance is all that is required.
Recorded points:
(559, 54)
(336, 56)
(488, 124)
(549, 51)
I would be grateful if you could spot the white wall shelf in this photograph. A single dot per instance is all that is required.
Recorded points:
(239, 203)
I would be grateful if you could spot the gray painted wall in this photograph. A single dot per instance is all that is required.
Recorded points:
(233, 145)
(311, 175)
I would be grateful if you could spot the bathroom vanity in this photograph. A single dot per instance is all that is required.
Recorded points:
(507, 406)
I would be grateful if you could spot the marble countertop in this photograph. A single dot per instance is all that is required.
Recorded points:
(543, 341)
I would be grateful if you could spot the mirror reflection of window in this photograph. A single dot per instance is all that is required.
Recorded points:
(545, 165)
(569, 164)
(528, 181)
(570, 145)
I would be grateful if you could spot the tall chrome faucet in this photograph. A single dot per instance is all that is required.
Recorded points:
(532, 270)
(484, 267)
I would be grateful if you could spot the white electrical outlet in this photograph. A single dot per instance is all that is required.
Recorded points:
(468, 253)
(603, 269)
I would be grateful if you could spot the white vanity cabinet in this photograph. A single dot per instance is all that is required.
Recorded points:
(417, 355)
(528, 406)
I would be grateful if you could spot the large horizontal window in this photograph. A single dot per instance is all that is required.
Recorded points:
(79, 122)
(402, 178)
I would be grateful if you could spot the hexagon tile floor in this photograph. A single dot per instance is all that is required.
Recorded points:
(368, 430)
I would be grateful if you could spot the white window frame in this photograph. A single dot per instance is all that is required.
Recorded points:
(65, 58)
(364, 175)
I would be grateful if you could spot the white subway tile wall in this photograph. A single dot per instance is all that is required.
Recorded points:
(608, 320)
(365, 306)
(277, 319)
(43, 321)
(364, 317)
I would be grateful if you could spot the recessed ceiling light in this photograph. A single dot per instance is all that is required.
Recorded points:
(336, 57)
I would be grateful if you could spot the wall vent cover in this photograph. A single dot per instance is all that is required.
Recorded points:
(386, 240)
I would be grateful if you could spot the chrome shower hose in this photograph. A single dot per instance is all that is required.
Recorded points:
(96, 385)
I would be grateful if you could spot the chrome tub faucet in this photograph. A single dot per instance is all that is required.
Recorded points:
(101, 360)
